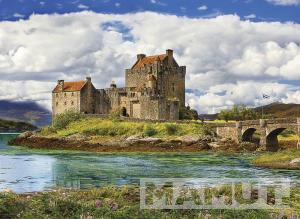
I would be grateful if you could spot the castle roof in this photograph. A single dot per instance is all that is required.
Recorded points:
(148, 60)
(71, 86)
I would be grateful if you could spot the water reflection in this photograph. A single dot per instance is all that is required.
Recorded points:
(30, 170)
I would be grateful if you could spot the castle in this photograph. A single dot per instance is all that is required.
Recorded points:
(154, 89)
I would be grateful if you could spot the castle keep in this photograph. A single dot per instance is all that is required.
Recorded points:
(154, 89)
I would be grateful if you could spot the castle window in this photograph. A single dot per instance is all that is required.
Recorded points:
(65, 94)
(72, 103)
(65, 103)
(72, 94)
(173, 87)
(56, 95)
(56, 103)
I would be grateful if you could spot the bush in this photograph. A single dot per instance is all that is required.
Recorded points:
(47, 130)
(61, 121)
(171, 129)
(150, 131)
(115, 114)
(186, 113)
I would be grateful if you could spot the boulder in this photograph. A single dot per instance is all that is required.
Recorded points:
(151, 140)
(25, 134)
(205, 146)
(133, 138)
(214, 144)
(295, 161)
(189, 139)
(77, 137)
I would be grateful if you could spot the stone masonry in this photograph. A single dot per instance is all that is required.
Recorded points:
(242, 131)
(154, 89)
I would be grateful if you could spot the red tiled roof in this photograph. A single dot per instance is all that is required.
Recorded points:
(148, 60)
(71, 86)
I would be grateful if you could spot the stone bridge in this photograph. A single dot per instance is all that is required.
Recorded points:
(268, 129)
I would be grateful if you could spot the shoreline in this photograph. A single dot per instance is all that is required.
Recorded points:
(134, 144)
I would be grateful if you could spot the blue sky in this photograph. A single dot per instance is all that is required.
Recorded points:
(234, 50)
(257, 10)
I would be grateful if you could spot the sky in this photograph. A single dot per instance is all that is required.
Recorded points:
(235, 50)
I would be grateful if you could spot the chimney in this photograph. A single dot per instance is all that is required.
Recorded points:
(113, 84)
(61, 84)
(89, 79)
(140, 56)
(169, 53)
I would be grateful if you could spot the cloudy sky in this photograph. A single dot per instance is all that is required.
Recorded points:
(235, 50)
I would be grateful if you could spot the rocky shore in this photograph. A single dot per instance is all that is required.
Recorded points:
(188, 143)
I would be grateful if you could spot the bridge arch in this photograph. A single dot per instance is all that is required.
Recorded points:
(248, 134)
(272, 140)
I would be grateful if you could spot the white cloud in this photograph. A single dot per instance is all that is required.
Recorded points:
(202, 8)
(82, 6)
(17, 15)
(284, 2)
(228, 60)
(117, 4)
(250, 16)
(158, 2)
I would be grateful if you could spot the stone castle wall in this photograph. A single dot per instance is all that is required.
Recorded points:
(64, 101)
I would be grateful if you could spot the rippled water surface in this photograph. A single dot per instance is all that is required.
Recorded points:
(25, 170)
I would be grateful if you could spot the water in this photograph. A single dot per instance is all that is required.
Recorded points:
(27, 170)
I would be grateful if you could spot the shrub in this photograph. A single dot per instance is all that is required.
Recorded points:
(115, 114)
(186, 113)
(47, 130)
(61, 121)
(171, 129)
(150, 131)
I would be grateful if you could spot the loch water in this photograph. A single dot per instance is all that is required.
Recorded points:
(27, 170)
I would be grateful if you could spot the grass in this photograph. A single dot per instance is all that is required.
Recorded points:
(119, 202)
(220, 121)
(277, 157)
(117, 128)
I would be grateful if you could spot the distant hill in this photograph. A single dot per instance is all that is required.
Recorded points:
(281, 110)
(25, 111)
(13, 126)
(276, 110)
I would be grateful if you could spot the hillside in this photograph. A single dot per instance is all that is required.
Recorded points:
(26, 111)
(276, 110)
(281, 110)
(13, 126)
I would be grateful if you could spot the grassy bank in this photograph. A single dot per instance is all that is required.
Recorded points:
(115, 202)
(280, 159)
(89, 126)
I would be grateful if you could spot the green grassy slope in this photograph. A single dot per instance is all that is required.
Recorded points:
(14, 126)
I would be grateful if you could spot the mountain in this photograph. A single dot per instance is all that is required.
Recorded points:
(26, 111)
(275, 110)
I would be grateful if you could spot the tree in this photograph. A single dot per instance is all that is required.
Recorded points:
(238, 112)
(186, 113)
